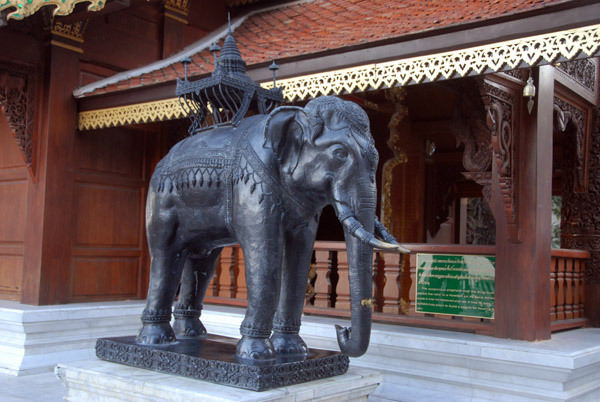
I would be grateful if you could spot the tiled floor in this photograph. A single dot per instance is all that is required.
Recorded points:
(44, 387)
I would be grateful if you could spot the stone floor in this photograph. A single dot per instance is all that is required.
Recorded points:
(45, 387)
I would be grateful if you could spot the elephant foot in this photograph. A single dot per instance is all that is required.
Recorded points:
(255, 350)
(288, 345)
(189, 328)
(155, 334)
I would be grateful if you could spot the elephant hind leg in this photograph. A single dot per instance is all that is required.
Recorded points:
(197, 274)
(165, 272)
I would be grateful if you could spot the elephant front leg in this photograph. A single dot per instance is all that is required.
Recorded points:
(296, 265)
(197, 274)
(263, 261)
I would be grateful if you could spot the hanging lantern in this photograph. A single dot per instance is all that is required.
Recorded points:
(529, 92)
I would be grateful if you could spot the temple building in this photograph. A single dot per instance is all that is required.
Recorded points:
(485, 115)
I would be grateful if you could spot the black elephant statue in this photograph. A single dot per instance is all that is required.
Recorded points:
(263, 184)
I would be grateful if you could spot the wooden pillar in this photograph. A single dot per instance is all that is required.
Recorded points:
(522, 207)
(50, 199)
(581, 211)
(175, 19)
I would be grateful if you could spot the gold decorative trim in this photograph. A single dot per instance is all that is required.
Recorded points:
(509, 55)
(179, 6)
(73, 32)
(176, 18)
(67, 36)
(168, 109)
(25, 8)
(65, 46)
(397, 96)
(531, 51)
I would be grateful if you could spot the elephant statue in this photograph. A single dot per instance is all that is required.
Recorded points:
(263, 184)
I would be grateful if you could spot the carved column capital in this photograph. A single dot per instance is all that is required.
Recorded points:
(567, 114)
(177, 10)
(501, 119)
(17, 92)
(469, 127)
(67, 36)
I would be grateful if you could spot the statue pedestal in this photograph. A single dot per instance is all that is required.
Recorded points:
(97, 380)
(214, 360)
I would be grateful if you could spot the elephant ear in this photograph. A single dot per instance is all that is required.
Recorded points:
(286, 131)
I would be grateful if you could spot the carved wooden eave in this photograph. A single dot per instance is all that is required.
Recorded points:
(495, 57)
(17, 94)
(529, 51)
(25, 8)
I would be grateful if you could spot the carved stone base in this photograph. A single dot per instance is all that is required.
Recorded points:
(214, 360)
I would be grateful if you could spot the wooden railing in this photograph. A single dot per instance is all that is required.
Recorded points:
(567, 288)
(394, 290)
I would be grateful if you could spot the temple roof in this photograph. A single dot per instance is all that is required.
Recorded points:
(308, 28)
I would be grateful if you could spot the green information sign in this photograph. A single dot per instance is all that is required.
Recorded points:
(455, 284)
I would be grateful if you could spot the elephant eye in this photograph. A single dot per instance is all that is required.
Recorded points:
(340, 153)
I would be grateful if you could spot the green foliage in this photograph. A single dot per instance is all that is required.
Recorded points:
(556, 214)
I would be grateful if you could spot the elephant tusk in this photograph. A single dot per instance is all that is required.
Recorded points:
(381, 245)
(382, 233)
(356, 229)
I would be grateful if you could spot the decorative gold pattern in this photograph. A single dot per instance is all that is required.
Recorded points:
(25, 8)
(180, 6)
(168, 109)
(397, 96)
(477, 60)
(70, 31)
(531, 51)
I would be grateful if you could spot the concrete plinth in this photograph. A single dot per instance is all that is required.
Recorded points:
(33, 339)
(97, 380)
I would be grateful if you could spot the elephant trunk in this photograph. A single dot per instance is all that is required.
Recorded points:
(354, 341)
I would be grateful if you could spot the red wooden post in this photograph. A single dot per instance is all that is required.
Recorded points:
(569, 287)
(577, 288)
(523, 240)
(323, 282)
(226, 285)
(560, 290)
(213, 288)
(50, 200)
(391, 291)
(412, 293)
(553, 287)
(582, 296)
(378, 265)
(240, 273)
(342, 301)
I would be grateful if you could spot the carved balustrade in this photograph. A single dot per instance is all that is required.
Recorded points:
(394, 286)
(567, 283)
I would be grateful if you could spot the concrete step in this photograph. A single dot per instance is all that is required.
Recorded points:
(417, 364)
